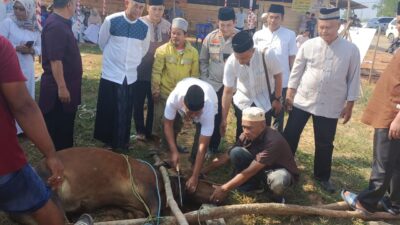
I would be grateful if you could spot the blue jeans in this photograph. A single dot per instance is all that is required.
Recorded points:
(276, 180)
(23, 191)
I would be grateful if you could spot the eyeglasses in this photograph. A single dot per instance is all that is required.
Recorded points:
(22, 9)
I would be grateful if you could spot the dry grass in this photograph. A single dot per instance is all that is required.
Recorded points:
(351, 163)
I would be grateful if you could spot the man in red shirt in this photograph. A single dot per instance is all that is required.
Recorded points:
(21, 189)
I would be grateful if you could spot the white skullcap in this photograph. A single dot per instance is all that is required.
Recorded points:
(180, 23)
(253, 114)
(264, 15)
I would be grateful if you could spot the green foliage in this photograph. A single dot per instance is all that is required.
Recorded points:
(386, 8)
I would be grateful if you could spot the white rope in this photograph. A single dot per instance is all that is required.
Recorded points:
(85, 113)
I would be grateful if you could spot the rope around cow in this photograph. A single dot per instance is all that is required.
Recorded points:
(137, 195)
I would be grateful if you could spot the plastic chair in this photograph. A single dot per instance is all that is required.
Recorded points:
(202, 29)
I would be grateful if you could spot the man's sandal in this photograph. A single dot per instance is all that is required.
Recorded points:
(351, 199)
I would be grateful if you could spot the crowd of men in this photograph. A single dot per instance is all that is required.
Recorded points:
(261, 75)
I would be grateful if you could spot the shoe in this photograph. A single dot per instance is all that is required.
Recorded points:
(388, 207)
(327, 186)
(107, 146)
(278, 199)
(351, 199)
(140, 137)
(84, 219)
(209, 155)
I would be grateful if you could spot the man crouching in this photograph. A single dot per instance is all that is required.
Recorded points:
(261, 155)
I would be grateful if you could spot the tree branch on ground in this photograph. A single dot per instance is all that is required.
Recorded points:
(271, 209)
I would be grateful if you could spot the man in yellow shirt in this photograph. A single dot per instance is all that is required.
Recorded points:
(173, 62)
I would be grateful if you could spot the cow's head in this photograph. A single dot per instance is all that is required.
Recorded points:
(200, 196)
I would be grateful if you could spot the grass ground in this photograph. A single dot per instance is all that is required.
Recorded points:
(350, 169)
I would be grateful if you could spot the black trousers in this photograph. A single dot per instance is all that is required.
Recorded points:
(238, 114)
(385, 174)
(114, 114)
(324, 135)
(142, 91)
(216, 136)
(280, 118)
(60, 125)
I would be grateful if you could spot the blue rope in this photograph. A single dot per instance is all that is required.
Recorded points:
(158, 190)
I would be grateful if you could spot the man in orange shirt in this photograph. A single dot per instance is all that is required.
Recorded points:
(383, 114)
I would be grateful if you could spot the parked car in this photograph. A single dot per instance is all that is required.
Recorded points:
(379, 22)
(391, 31)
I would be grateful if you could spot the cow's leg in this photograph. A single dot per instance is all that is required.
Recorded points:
(44, 173)
(136, 213)
(153, 203)
(151, 200)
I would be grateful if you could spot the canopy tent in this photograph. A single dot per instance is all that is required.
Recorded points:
(343, 4)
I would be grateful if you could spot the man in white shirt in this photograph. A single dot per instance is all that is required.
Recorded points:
(192, 100)
(324, 84)
(124, 40)
(245, 81)
(283, 42)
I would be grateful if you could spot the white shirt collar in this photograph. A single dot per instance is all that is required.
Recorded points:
(127, 19)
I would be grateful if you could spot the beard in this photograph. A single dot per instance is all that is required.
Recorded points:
(176, 42)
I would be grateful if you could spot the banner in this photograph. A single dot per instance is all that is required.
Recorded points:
(362, 38)
(301, 5)
(309, 5)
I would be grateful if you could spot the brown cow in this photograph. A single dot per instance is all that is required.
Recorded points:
(96, 178)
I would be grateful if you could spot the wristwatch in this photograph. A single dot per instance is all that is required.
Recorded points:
(279, 99)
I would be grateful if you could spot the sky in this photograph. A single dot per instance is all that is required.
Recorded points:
(366, 13)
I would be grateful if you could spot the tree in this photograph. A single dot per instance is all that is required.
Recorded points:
(386, 8)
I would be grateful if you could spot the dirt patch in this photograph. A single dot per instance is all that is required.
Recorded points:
(382, 59)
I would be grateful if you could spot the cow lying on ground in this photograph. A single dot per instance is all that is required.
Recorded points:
(96, 178)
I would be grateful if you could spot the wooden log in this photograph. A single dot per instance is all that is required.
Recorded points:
(374, 56)
(219, 221)
(335, 206)
(282, 209)
(170, 220)
(377, 223)
(272, 209)
(170, 196)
